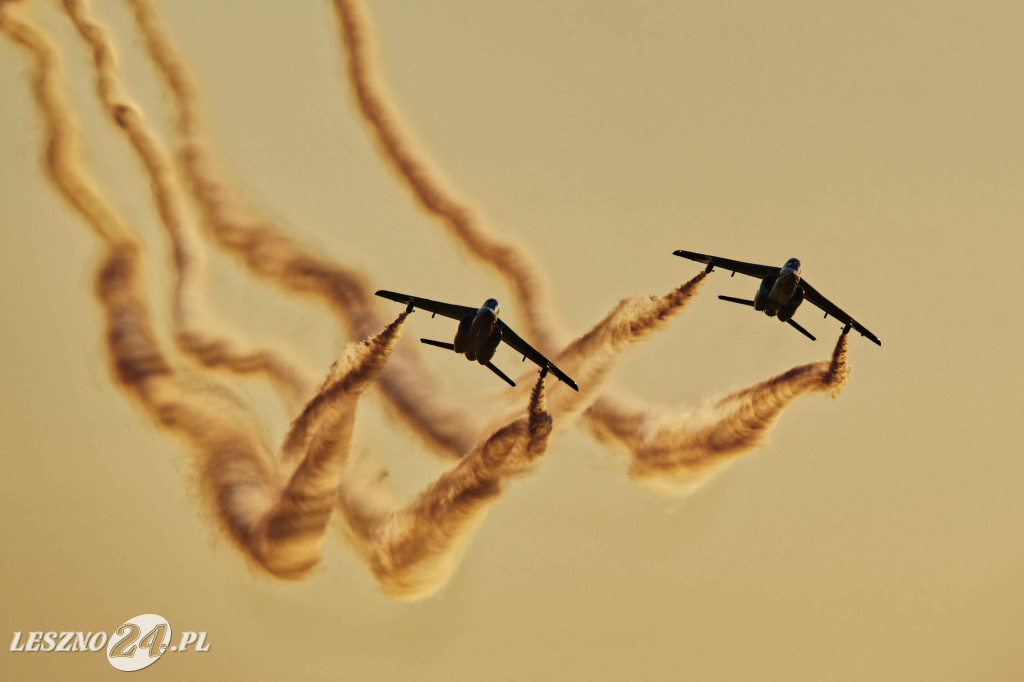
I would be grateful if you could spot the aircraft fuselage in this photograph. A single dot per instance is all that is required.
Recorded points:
(780, 295)
(478, 335)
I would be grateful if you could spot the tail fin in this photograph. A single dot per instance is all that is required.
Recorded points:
(501, 374)
(439, 344)
(737, 300)
(801, 330)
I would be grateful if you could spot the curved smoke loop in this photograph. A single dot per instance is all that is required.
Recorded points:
(277, 509)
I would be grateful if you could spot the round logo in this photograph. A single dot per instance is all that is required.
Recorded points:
(139, 642)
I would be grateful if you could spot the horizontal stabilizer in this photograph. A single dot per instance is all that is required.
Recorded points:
(439, 344)
(800, 329)
(737, 300)
(501, 374)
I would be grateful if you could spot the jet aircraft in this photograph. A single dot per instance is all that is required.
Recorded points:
(781, 292)
(479, 333)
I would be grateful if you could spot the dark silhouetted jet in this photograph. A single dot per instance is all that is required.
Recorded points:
(479, 333)
(781, 292)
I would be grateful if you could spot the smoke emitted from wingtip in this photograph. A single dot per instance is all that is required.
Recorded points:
(413, 551)
(347, 378)
(268, 252)
(631, 320)
(276, 514)
(319, 441)
(512, 259)
(277, 511)
(676, 449)
(431, 412)
(838, 368)
(592, 355)
(196, 332)
(539, 421)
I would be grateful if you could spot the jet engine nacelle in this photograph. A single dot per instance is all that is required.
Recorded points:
(763, 292)
(462, 333)
(488, 348)
(787, 311)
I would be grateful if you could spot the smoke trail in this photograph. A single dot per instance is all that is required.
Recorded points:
(434, 414)
(319, 440)
(341, 383)
(275, 516)
(507, 256)
(677, 449)
(594, 353)
(277, 513)
(413, 551)
(510, 258)
(631, 320)
(195, 332)
(838, 369)
(591, 356)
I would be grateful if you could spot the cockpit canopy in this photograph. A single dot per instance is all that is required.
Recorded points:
(793, 264)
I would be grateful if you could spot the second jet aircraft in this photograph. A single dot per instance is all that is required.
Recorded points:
(479, 333)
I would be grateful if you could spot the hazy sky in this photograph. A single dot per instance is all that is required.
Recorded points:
(878, 536)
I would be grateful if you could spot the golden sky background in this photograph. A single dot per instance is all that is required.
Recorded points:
(878, 536)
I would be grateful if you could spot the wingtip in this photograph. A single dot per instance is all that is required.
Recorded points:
(393, 296)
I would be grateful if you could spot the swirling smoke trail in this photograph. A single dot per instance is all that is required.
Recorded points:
(276, 517)
(675, 450)
(439, 417)
(276, 510)
(413, 551)
(610, 413)
(196, 332)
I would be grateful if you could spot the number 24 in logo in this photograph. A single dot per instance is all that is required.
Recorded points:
(131, 650)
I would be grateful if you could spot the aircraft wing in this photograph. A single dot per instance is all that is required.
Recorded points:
(513, 340)
(811, 294)
(456, 312)
(752, 269)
